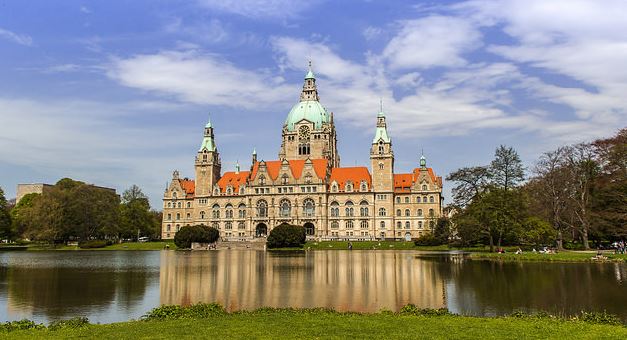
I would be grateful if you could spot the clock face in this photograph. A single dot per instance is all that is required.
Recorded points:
(303, 132)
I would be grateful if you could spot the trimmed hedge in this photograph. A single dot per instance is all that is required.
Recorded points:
(197, 233)
(286, 236)
(94, 244)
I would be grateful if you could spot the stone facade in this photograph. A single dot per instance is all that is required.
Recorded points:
(30, 188)
(306, 186)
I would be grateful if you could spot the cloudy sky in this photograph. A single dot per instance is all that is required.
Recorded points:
(117, 92)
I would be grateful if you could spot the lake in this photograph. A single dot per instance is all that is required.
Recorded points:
(110, 286)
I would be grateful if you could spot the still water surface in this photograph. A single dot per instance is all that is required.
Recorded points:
(110, 286)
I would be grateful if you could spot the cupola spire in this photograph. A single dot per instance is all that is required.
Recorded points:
(310, 91)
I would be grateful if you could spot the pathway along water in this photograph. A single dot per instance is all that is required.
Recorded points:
(121, 285)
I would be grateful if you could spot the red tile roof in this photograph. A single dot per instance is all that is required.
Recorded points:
(188, 185)
(403, 182)
(296, 167)
(354, 174)
(234, 179)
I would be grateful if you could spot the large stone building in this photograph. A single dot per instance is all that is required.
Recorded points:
(306, 186)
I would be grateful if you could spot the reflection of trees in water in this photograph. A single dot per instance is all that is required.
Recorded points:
(68, 292)
(490, 287)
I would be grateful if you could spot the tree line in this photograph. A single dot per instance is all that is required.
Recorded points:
(73, 210)
(574, 196)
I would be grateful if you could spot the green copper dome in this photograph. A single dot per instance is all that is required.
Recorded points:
(310, 110)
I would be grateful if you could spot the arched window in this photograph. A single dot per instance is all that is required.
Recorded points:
(431, 224)
(431, 199)
(407, 212)
(381, 166)
(308, 207)
(398, 212)
(335, 210)
(363, 224)
(228, 225)
(202, 215)
(241, 210)
(349, 224)
(262, 208)
(424, 199)
(241, 190)
(169, 227)
(174, 194)
(284, 179)
(382, 225)
(398, 200)
(363, 186)
(189, 204)
(407, 199)
(169, 204)
(382, 212)
(178, 216)
(399, 225)
(431, 214)
(285, 208)
(215, 211)
(241, 225)
(407, 225)
(419, 224)
(188, 216)
(169, 217)
(349, 208)
(424, 187)
(419, 212)
(178, 205)
(334, 187)
(229, 211)
(335, 225)
(363, 210)
(381, 147)
(262, 180)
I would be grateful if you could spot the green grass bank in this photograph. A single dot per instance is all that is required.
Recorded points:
(159, 245)
(213, 323)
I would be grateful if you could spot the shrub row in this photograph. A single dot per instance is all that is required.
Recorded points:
(94, 244)
(25, 324)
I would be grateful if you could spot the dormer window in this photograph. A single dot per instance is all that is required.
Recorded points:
(334, 187)
(349, 187)
(424, 187)
(284, 179)
(364, 186)
(241, 190)
(229, 190)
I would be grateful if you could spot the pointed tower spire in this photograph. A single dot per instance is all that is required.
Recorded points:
(237, 167)
(208, 143)
(423, 159)
(254, 155)
(310, 91)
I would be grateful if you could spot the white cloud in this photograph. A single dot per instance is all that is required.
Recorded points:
(212, 31)
(432, 41)
(199, 78)
(21, 39)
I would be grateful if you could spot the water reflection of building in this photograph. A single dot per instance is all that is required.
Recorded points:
(343, 280)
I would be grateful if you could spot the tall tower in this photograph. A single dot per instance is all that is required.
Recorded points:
(309, 131)
(207, 163)
(382, 157)
(382, 163)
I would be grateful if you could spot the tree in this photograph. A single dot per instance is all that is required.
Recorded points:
(136, 217)
(21, 213)
(286, 236)
(191, 234)
(548, 191)
(538, 232)
(5, 218)
(506, 170)
(470, 182)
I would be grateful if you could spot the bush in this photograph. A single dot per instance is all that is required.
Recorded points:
(427, 240)
(198, 233)
(10, 326)
(286, 236)
(94, 244)
(198, 311)
(411, 309)
(78, 322)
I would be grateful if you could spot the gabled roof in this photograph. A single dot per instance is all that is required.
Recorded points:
(234, 179)
(188, 185)
(353, 174)
(296, 167)
(403, 182)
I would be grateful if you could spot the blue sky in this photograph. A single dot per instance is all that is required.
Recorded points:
(117, 92)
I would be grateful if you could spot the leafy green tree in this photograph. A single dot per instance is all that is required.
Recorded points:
(187, 235)
(286, 236)
(506, 170)
(21, 213)
(538, 232)
(136, 217)
(471, 182)
(5, 218)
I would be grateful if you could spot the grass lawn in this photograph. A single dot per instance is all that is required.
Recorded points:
(563, 256)
(280, 324)
(157, 245)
